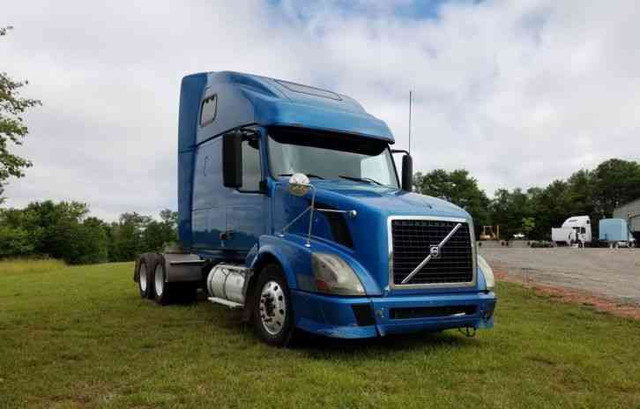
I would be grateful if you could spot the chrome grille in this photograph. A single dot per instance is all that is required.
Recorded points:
(411, 241)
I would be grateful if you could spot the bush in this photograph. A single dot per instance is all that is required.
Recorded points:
(541, 244)
(15, 242)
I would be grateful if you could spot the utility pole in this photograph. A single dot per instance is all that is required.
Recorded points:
(410, 98)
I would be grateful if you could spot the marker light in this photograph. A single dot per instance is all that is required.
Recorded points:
(489, 278)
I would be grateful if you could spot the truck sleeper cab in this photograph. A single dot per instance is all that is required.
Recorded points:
(574, 230)
(290, 207)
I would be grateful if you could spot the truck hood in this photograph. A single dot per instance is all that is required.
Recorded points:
(364, 237)
(383, 200)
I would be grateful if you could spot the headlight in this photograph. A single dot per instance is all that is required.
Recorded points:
(488, 273)
(334, 276)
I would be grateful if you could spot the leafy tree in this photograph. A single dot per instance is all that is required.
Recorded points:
(157, 234)
(127, 236)
(12, 126)
(615, 182)
(509, 209)
(63, 230)
(528, 224)
(53, 225)
(580, 192)
(550, 207)
(19, 226)
(169, 217)
(89, 244)
(57, 230)
(15, 242)
(457, 187)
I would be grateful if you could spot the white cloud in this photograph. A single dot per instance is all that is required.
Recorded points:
(517, 92)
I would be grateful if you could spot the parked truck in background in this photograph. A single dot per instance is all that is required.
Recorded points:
(616, 233)
(576, 230)
(291, 208)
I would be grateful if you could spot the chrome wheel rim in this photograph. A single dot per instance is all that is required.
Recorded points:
(273, 307)
(159, 280)
(142, 277)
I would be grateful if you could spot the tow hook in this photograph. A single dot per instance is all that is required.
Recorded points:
(469, 332)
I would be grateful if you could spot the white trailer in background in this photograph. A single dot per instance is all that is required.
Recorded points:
(574, 230)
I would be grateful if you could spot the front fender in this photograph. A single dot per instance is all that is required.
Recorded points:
(482, 283)
(292, 256)
(295, 259)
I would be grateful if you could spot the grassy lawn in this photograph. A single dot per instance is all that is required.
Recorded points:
(82, 337)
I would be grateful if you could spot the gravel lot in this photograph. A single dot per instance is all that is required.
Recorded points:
(613, 273)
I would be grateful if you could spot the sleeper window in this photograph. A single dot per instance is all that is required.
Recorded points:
(208, 110)
(251, 174)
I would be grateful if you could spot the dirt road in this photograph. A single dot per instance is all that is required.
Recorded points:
(614, 273)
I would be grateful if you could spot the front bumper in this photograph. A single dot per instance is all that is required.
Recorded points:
(365, 317)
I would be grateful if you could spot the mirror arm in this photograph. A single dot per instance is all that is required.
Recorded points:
(313, 203)
(286, 227)
(249, 132)
(263, 187)
(400, 151)
(308, 209)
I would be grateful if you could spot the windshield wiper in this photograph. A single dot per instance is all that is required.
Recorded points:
(311, 175)
(361, 179)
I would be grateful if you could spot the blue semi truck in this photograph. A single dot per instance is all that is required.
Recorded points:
(291, 208)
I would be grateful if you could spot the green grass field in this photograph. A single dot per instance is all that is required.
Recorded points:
(81, 337)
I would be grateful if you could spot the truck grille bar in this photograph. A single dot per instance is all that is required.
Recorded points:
(430, 252)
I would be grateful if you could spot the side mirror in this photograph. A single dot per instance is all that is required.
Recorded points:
(407, 173)
(299, 184)
(232, 159)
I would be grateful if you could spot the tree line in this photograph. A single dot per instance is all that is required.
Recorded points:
(65, 231)
(533, 212)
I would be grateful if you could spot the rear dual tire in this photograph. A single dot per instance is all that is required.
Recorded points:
(165, 292)
(146, 265)
(162, 290)
(152, 282)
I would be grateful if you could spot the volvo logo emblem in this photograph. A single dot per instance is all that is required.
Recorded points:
(434, 251)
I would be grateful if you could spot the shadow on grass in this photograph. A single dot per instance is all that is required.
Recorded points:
(321, 347)
(317, 346)
(324, 347)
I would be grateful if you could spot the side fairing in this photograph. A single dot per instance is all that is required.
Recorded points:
(209, 218)
(190, 93)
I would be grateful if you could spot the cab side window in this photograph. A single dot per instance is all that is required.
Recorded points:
(251, 174)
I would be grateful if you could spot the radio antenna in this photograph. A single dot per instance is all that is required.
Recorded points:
(410, 97)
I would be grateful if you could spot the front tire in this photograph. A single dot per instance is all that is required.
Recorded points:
(273, 310)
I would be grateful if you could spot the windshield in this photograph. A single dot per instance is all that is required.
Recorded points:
(330, 156)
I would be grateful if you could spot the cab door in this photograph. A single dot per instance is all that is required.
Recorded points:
(246, 205)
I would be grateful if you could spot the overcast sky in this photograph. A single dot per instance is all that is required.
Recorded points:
(518, 92)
